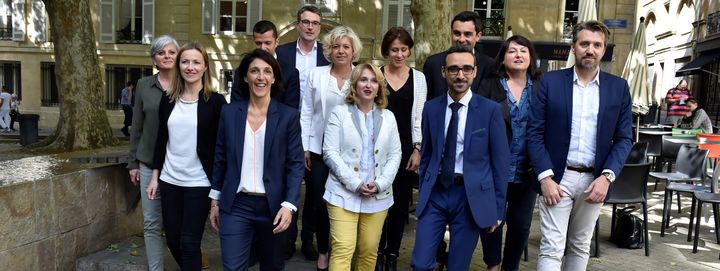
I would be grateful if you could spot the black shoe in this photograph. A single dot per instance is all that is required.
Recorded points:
(309, 251)
(289, 251)
(391, 262)
(380, 263)
(125, 131)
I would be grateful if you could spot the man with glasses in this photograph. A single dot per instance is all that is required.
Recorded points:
(465, 31)
(463, 170)
(303, 54)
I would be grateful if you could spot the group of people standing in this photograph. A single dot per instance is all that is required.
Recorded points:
(480, 137)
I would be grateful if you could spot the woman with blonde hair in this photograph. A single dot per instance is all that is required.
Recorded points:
(183, 164)
(326, 88)
(362, 150)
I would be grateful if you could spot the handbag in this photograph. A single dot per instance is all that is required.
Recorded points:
(628, 231)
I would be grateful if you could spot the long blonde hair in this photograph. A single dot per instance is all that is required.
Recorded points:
(380, 100)
(178, 85)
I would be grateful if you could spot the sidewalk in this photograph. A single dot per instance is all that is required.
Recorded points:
(671, 252)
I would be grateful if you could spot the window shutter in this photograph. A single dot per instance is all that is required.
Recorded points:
(107, 21)
(40, 23)
(209, 16)
(148, 18)
(254, 15)
(407, 21)
(18, 20)
(390, 15)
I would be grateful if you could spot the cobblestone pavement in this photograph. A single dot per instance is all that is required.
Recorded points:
(671, 252)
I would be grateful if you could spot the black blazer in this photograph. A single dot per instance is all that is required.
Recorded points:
(208, 115)
(436, 83)
(286, 54)
(291, 86)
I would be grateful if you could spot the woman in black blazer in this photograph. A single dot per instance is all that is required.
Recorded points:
(183, 160)
(516, 71)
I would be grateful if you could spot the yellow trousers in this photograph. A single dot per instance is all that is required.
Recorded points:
(349, 230)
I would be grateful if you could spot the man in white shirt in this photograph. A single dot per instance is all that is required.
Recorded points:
(306, 52)
(5, 110)
(579, 134)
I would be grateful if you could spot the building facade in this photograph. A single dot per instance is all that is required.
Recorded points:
(124, 29)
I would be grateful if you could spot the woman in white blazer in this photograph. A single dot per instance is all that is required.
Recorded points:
(362, 150)
(326, 88)
(407, 92)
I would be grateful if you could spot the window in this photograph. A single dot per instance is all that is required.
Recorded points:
(328, 8)
(226, 80)
(397, 13)
(229, 17)
(10, 77)
(127, 21)
(12, 23)
(492, 17)
(570, 19)
(115, 78)
(50, 96)
(37, 22)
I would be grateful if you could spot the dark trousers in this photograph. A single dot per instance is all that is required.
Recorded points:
(398, 213)
(184, 212)
(13, 118)
(248, 218)
(314, 214)
(520, 204)
(449, 206)
(127, 109)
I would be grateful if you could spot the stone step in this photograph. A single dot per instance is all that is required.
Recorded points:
(128, 255)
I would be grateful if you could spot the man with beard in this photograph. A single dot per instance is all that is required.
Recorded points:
(465, 31)
(578, 138)
(463, 168)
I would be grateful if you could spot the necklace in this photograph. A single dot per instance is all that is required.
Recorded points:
(188, 102)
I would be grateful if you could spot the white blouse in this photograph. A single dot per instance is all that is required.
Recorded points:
(182, 165)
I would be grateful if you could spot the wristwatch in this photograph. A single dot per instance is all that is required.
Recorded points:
(609, 176)
(416, 146)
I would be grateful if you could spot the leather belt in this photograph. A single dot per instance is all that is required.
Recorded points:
(581, 169)
(458, 179)
(252, 194)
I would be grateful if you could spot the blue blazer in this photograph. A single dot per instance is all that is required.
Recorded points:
(283, 158)
(549, 123)
(486, 160)
(286, 54)
(436, 83)
(291, 86)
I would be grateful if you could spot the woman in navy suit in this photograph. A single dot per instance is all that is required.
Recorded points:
(258, 168)
(188, 117)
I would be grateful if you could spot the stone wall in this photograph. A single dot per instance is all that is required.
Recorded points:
(49, 224)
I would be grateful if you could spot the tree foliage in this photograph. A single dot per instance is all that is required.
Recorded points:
(83, 123)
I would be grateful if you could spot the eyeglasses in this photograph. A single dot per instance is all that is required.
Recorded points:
(307, 23)
(454, 70)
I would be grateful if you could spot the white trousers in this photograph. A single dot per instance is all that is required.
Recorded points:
(4, 118)
(567, 228)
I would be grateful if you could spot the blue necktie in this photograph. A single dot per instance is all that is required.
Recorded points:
(448, 164)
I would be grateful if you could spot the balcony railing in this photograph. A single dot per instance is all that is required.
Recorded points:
(713, 23)
(6, 33)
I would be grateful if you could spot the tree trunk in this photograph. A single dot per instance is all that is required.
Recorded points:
(83, 123)
(432, 27)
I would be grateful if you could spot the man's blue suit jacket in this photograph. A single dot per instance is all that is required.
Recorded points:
(436, 83)
(291, 86)
(486, 157)
(286, 54)
(549, 123)
(283, 159)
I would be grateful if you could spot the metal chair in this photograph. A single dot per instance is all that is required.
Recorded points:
(630, 187)
(703, 197)
(691, 163)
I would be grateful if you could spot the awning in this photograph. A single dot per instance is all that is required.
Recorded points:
(695, 66)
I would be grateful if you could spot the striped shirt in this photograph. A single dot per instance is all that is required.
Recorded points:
(678, 108)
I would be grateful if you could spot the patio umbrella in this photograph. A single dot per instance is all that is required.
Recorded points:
(635, 72)
(586, 11)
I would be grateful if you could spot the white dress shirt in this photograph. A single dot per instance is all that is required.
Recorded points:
(583, 128)
(462, 119)
(303, 62)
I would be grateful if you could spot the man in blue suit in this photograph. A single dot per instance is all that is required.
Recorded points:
(578, 138)
(265, 36)
(465, 31)
(463, 169)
